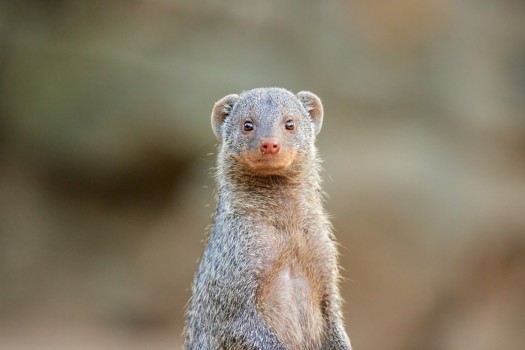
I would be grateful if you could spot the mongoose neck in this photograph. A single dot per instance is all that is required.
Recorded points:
(244, 191)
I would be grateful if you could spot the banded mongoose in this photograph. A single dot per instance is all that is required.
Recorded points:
(268, 277)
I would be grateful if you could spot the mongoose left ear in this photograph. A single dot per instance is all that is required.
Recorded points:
(221, 110)
(314, 107)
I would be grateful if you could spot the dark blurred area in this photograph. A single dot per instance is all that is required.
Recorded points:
(106, 151)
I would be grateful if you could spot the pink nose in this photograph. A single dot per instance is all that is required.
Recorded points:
(270, 146)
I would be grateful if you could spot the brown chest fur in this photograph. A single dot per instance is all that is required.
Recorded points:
(291, 292)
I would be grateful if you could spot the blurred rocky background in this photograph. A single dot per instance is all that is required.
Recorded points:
(106, 151)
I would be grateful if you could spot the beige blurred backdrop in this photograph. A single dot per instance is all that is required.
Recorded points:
(106, 152)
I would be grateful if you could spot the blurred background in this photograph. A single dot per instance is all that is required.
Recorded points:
(106, 150)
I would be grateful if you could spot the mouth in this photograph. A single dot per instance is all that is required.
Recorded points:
(267, 164)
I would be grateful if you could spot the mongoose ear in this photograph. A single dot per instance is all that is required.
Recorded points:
(314, 107)
(221, 110)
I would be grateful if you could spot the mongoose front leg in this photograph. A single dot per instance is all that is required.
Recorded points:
(335, 334)
(252, 333)
(336, 338)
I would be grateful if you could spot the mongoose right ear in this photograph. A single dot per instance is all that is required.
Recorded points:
(221, 110)
(314, 107)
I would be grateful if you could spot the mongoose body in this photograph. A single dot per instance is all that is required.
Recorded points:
(268, 276)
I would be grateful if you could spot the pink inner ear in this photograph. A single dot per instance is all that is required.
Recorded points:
(314, 109)
(221, 110)
(311, 103)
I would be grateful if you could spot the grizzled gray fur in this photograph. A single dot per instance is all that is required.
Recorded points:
(268, 277)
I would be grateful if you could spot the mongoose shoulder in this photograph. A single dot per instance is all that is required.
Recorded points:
(268, 276)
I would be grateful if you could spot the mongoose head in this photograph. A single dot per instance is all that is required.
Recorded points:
(267, 130)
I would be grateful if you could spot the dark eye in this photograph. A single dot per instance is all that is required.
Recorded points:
(248, 125)
(289, 125)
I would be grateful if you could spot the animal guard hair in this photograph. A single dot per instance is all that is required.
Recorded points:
(269, 275)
